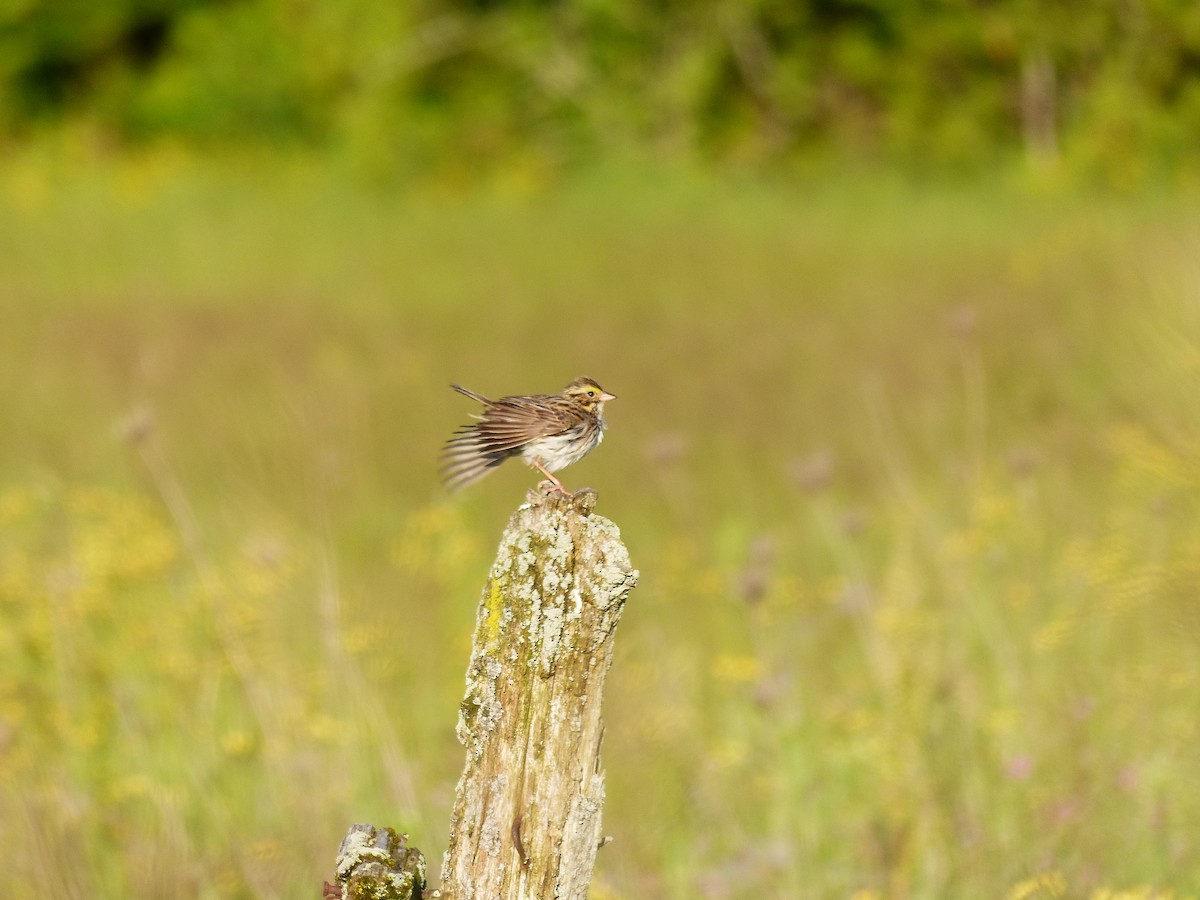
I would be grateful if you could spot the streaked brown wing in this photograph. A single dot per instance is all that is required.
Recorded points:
(505, 427)
(464, 460)
(512, 422)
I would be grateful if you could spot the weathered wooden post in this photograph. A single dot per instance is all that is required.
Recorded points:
(526, 820)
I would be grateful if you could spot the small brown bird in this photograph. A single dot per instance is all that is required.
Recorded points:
(548, 431)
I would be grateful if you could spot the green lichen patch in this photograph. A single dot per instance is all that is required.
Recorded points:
(377, 864)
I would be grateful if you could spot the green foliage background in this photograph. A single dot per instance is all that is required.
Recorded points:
(1111, 88)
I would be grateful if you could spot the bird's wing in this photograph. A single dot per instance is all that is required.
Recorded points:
(512, 422)
(465, 460)
(505, 427)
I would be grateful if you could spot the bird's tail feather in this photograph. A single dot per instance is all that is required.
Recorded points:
(469, 393)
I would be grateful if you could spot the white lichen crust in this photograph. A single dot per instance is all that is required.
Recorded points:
(526, 820)
(376, 864)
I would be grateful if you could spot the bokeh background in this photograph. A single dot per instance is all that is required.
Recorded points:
(902, 303)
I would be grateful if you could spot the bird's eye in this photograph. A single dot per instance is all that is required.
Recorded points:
(591, 393)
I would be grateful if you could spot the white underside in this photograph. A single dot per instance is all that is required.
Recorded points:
(560, 450)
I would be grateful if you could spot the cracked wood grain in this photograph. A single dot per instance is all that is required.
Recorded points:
(526, 820)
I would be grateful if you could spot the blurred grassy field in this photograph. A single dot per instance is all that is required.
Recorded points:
(912, 475)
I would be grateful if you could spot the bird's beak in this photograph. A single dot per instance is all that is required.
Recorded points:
(605, 395)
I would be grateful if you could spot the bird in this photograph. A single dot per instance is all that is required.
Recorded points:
(548, 431)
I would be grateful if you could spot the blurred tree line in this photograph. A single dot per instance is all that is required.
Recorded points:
(413, 84)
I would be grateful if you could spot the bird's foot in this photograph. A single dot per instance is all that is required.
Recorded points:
(553, 486)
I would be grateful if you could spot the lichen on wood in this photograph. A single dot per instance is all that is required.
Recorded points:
(377, 864)
(526, 821)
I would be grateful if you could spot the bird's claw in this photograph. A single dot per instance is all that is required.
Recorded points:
(546, 486)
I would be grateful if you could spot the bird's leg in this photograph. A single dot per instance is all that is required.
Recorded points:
(536, 462)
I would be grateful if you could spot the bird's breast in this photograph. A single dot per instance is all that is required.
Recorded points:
(557, 451)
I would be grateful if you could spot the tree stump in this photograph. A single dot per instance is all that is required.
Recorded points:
(377, 863)
(526, 821)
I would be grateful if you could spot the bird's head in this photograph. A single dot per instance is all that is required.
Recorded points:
(587, 394)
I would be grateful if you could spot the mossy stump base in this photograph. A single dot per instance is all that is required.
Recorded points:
(526, 821)
(376, 863)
